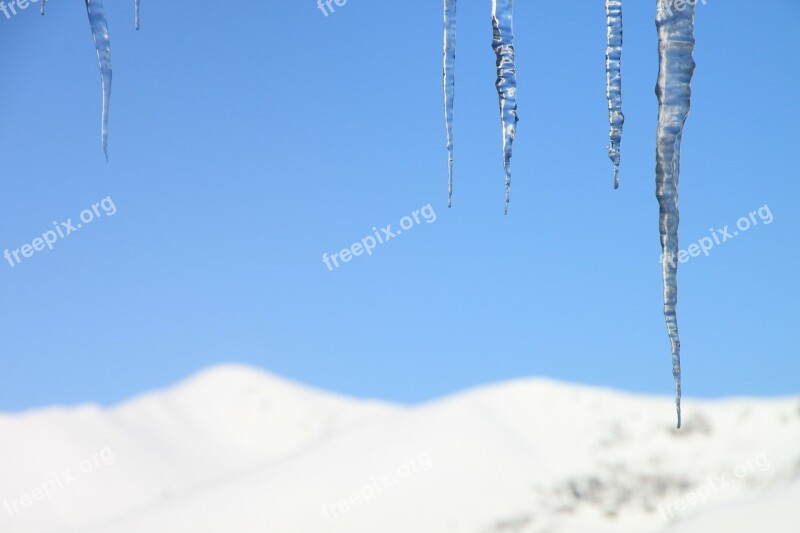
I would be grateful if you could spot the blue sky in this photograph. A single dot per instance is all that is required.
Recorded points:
(249, 138)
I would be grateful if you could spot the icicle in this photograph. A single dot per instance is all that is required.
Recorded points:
(675, 70)
(503, 44)
(614, 81)
(43, 3)
(449, 86)
(99, 27)
(136, 14)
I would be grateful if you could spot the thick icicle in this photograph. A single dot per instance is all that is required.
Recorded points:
(675, 70)
(99, 27)
(503, 44)
(136, 14)
(449, 86)
(614, 81)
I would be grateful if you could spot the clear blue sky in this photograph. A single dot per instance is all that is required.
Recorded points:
(249, 138)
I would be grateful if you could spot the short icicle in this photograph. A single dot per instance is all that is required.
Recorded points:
(99, 27)
(503, 44)
(614, 82)
(675, 70)
(449, 86)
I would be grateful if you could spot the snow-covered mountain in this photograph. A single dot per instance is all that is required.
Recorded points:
(234, 449)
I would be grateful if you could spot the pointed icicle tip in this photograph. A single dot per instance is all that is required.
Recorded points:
(99, 26)
(503, 45)
(448, 80)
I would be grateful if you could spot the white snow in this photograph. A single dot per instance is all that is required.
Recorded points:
(234, 449)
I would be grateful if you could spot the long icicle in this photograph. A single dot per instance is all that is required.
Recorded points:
(675, 70)
(43, 3)
(449, 86)
(614, 82)
(99, 27)
(503, 44)
(136, 14)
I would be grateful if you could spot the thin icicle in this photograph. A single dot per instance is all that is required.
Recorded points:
(99, 27)
(449, 86)
(136, 14)
(503, 44)
(614, 81)
(43, 3)
(675, 70)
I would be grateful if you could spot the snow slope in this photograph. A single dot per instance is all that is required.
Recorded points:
(237, 450)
